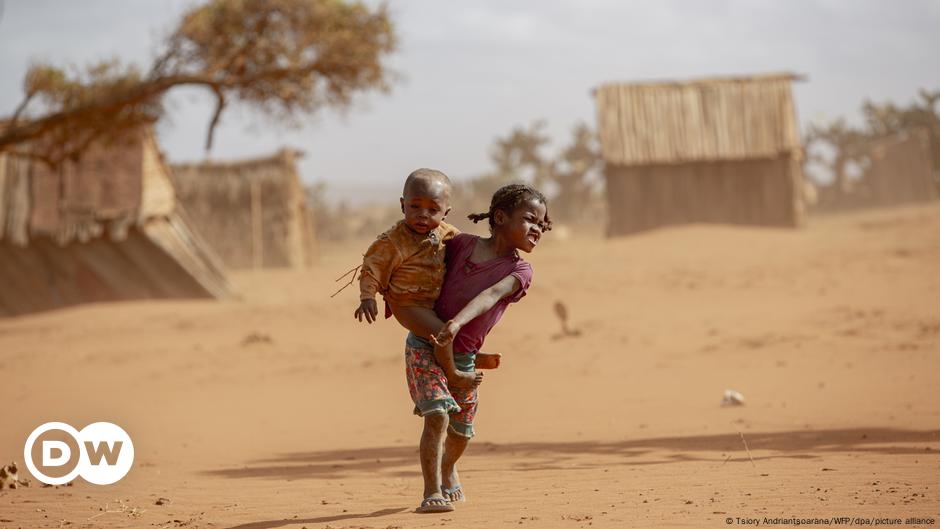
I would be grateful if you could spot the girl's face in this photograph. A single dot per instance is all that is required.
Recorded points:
(523, 228)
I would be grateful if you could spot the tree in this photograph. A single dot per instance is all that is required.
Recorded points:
(568, 177)
(849, 145)
(575, 175)
(515, 158)
(888, 119)
(283, 58)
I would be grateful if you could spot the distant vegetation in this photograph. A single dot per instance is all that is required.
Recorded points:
(570, 177)
(839, 147)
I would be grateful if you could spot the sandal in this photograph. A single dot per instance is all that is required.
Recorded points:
(433, 505)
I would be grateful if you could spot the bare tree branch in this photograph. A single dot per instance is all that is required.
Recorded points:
(219, 106)
(22, 106)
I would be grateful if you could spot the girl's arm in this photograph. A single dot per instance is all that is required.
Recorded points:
(483, 302)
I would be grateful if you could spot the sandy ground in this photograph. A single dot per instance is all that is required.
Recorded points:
(280, 411)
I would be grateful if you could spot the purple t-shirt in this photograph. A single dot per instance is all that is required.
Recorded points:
(465, 279)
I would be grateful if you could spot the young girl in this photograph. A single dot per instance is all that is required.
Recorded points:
(484, 275)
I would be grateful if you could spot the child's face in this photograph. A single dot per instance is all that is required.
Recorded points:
(425, 209)
(523, 228)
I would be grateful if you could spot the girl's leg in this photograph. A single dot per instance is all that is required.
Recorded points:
(427, 386)
(454, 446)
(459, 432)
(432, 438)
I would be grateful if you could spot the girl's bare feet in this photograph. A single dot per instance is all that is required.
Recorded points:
(435, 503)
(450, 484)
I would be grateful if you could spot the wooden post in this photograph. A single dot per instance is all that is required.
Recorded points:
(257, 241)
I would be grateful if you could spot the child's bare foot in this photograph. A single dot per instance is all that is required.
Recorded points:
(487, 360)
(465, 379)
(450, 484)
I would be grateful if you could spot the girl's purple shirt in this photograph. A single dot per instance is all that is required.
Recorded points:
(465, 279)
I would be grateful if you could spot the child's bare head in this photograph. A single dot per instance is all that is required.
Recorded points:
(425, 199)
(519, 214)
(428, 182)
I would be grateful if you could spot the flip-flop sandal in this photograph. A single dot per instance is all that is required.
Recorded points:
(447, 492)
(427, 507)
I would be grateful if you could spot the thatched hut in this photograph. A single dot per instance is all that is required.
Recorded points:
(721, 150)
(899, 170)
(105, 228)
(253, 212)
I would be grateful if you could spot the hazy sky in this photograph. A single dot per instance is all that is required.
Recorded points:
(470, 71)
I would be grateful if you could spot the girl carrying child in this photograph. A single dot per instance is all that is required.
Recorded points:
(483, 276)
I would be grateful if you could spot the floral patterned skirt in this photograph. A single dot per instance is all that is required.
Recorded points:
(429, 390)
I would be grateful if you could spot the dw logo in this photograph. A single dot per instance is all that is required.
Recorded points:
(102, 453)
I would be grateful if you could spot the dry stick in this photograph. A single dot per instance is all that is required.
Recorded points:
(351, 279)
(748, 450)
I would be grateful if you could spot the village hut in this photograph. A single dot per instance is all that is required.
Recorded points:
(898, 170)
(723, 150)
(254, 212)
(106, 227)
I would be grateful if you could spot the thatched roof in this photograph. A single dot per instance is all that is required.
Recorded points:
(732, 118)
(280, 167)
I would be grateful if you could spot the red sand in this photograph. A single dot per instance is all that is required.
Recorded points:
(281, 411)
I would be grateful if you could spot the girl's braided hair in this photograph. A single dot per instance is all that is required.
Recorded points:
(510, 197)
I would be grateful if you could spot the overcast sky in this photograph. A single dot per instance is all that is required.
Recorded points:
(470, 71)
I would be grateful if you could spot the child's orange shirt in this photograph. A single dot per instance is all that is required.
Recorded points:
(407, 268)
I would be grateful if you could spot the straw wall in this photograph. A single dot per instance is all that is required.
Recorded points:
(253, 212)
(102, 229)
(900, 171)
(753, 192)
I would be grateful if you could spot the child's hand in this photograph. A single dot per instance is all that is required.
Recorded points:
(367, 308)
(446, 334)
(465, 379)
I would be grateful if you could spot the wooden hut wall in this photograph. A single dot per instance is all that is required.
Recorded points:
(157, 195)
(15, 199)
(97, 230)
(755, 192)
(220, 212)
(253, 213)
(83, 199)
(901, 171)
(301, 235)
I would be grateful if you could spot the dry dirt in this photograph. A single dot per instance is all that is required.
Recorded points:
(280, 411)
